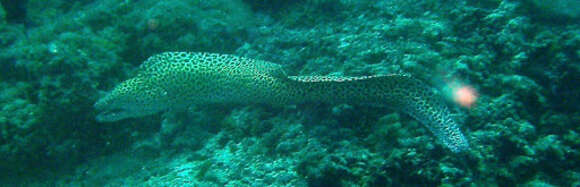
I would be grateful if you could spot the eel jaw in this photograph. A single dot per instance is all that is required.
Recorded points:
(109, 112)
(117, 108)
(110, 115)
(111, 108)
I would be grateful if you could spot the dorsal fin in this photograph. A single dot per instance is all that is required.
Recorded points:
(279, 73)
(159, 62)
(317, 78)
(155, 60)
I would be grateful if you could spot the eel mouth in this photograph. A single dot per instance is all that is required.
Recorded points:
(111, 114)
(107, 111)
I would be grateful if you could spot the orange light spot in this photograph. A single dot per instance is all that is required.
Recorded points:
(465, 96)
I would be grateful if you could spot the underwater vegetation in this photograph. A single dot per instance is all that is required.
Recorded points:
(58, 58)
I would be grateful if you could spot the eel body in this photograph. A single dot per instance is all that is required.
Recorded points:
(174, 80)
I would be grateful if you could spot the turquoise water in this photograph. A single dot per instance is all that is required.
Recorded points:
(508, 72)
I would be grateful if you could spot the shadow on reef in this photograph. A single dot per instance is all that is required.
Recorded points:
(15, 10)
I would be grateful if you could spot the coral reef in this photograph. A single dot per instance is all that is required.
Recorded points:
(59, 57)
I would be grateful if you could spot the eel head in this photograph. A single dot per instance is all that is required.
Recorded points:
(131, 98)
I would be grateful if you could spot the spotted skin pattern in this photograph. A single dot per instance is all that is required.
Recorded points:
(175, 80)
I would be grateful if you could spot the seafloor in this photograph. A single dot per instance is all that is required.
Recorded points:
(58, 57)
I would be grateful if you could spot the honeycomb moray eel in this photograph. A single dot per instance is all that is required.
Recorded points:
(175, 80)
